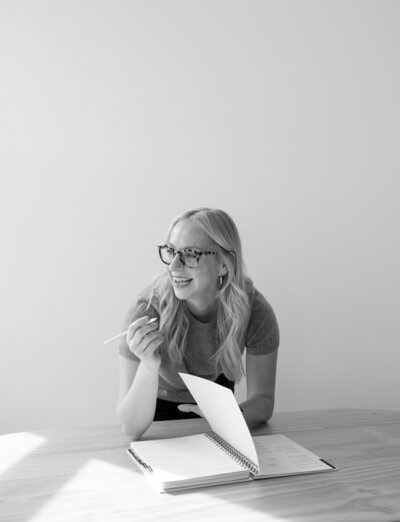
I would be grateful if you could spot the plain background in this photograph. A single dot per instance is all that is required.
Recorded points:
(118, 115)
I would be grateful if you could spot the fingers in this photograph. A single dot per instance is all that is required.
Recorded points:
(143, 337)
(137, 324)
(190, 408)
(151, 341)
(186, 408)
(139, 328)
(145, 332)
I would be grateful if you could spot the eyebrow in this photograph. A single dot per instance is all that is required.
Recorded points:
(185, 248)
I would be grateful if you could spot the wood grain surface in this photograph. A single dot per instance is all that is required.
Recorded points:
(85, 474)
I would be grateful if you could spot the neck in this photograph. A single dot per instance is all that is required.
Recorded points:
(202, 311)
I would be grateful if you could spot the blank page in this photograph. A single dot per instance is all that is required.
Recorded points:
(223, 414)
(184, 458)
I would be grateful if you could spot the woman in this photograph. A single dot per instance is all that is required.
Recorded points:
(206, 313)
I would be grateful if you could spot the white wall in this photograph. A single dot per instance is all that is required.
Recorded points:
(116, 116)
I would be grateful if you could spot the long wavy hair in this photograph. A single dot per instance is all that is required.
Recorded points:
(232, 299)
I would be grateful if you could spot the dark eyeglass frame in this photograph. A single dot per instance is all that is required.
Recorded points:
(195, 251)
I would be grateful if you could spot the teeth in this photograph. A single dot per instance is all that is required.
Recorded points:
(182, 281)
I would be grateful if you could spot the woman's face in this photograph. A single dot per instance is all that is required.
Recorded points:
(197, 286)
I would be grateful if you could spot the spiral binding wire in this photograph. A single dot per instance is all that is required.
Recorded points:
(232, 452)
(140, 461)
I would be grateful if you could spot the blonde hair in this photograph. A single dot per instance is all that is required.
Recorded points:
(233, 302)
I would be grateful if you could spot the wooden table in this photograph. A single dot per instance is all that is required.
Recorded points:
(85, 474)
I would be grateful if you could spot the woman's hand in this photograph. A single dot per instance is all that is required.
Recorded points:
(190, 408)
(143, 340)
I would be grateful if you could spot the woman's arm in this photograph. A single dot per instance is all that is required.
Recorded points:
(137, 396)
(260, 376)
(139, 379)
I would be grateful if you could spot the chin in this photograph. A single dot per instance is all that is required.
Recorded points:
(180, 294)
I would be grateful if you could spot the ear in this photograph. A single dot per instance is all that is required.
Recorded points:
(223, 270)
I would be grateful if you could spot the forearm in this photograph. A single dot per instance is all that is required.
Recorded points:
(257, 410)
(136, 409)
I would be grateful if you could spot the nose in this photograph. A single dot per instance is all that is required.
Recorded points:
(176, 263)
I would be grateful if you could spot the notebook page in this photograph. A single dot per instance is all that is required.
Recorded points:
(223, 414)
(184, 458)
(279, 455)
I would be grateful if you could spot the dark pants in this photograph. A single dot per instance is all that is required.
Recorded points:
(167, 410)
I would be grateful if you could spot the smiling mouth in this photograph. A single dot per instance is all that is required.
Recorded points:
(182, 281)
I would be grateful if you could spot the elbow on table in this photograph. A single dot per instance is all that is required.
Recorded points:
(128, 427)
(268, 416)
(258, 421)
(131, 432)
(268, 411)
(260, 411)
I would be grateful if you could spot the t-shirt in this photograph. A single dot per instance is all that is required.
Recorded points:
(261, 337)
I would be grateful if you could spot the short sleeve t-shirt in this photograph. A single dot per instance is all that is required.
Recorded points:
(261, 337)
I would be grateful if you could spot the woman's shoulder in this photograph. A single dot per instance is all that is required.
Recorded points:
(262, 333)
(261, 313)
(147, 302)
(257, 301)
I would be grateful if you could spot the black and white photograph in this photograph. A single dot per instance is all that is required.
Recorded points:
(200, 263)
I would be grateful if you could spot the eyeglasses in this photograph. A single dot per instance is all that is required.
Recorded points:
(189, 257)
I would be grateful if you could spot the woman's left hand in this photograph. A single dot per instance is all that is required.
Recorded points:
(190, 408)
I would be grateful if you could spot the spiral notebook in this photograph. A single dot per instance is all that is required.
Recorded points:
(225, 454)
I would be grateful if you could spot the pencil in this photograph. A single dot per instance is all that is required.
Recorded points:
(122, 334)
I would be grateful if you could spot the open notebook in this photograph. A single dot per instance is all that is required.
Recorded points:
(226, 454)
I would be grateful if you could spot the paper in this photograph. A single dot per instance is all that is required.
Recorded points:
(185, 458)
(223, 414)
(278, 455)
